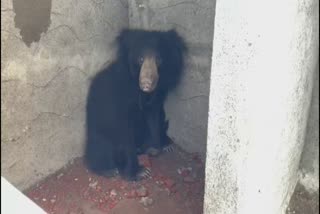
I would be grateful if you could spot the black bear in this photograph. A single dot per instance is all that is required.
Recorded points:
(125, 105)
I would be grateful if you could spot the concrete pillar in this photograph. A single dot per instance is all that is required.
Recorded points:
(264, 57)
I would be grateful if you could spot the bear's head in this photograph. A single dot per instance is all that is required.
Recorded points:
(155, 59)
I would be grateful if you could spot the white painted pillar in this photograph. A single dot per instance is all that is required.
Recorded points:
(264, 55)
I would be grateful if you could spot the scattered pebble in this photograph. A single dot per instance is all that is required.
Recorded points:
(184, 171)
(146, 201)
(76, 179)
(44, 199)
(53, 200)
(113, 193)
(142, 192)
(93, 185)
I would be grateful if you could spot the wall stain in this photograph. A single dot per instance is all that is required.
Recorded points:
(32, 18)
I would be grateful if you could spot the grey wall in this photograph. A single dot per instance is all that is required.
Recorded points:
(187, 107)
(310, 157)
(49, 50)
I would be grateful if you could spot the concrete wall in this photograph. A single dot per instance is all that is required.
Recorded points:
(264, 57)
(49, 50)
(310, 157)
(187, 107)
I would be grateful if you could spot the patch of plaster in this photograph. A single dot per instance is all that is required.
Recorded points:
(32, 18)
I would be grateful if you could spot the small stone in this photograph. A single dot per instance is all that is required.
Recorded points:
(184, 171)
(76, 179)
(44, 199)
(161, 183)
(93, 185)
(146, 201)
(113, 193)
(53, 200)
(142, 192)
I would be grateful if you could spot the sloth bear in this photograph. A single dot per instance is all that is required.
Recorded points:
(125, 104)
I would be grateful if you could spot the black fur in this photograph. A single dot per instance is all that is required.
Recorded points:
(121, 119)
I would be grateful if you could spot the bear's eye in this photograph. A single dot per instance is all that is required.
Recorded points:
(140, 60)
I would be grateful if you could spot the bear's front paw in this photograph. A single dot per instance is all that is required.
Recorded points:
(144, 173)
(168, 149)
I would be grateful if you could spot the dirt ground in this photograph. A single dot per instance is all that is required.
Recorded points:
(303, 203)
(176, 186)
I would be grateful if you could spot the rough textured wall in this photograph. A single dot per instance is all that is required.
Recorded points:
(187, 107)
(49, 50)
(264, 57)
(310, 157)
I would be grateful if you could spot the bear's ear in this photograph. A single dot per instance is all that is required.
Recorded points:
(175, 41)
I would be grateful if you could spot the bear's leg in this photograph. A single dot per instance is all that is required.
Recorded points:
(99, 155)
(157, 139)
(166, 142)
(153, 118)
(126, 157)
(128, 165)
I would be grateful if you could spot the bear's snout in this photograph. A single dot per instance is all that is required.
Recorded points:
(149, 76)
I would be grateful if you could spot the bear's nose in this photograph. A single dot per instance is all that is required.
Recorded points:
(146, 86)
